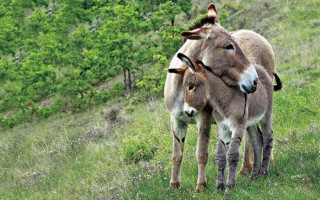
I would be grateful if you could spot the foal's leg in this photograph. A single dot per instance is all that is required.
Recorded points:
(257, 148)
(204, 127)
(267, 137)
(248, 156)
(233, 157)
(179, 130)
(224, 138)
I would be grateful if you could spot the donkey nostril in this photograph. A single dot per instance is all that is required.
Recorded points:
(255, 82)
(189, 114)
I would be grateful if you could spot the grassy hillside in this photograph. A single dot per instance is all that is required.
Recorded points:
(123, 151)
(68, 55)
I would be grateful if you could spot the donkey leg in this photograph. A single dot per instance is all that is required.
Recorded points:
(204, 127)
(248, 156)
(257, 148)
(267, 138)
(233, 158)
(273, 164)
(179, 130)
(221, 163)
(224, 138)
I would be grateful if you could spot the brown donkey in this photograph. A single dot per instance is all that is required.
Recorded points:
(234, 112)
(216, 43)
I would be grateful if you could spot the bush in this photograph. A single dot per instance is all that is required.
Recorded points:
(65, 49)
(137, 149)
(115, 91)
(9, 122)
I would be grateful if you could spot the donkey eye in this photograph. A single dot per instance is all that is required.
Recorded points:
(191, 88)
(229, 48)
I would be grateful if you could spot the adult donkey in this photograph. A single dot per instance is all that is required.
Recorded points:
(204, 41)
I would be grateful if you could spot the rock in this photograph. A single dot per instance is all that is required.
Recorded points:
(315, 22)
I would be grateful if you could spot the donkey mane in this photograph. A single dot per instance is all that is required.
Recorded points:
(199, 62)
(200, 23)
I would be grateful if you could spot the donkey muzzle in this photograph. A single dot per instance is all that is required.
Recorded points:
(248, 90)
(249, 80)
(190, 111)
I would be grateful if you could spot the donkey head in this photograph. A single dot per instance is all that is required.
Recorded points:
(195, 84)
(222, 53)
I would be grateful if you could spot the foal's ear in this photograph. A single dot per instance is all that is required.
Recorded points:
(197, 34)
(178, 70)
(187, 61)
(212, 12)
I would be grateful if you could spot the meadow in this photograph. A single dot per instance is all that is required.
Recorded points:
(120, 148)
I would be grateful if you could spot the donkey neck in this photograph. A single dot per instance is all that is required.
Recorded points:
(221, 96)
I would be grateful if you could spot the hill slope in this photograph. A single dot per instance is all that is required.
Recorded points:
(124, 152)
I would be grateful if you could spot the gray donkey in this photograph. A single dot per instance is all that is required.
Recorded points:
(234, 112)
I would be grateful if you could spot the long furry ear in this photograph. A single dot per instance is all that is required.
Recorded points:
(212, 12)
(187, 61)
(197, 34)
(178, 70)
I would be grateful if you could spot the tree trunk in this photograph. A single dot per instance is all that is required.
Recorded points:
(189, 16)
(172, 22)
(85, 5)
(125, 79)
(134, 81)
(129, 80)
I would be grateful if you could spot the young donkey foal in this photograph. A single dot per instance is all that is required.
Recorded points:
(234, 112)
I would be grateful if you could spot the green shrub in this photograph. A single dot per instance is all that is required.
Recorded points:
(45, 112)
(105, 95)
(68, 48)
(137, 149)
(9, 121)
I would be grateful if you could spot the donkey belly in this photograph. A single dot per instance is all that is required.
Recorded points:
(255, 120)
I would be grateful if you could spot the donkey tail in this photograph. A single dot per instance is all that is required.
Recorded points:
(278, 81)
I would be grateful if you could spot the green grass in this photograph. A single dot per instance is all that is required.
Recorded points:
(85, 156)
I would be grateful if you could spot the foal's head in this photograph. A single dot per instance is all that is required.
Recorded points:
(222, 53)
(195, 84)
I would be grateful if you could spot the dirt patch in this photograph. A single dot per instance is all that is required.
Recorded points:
(45, 103)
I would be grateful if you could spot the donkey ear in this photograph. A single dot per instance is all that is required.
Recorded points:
(187, 61)
(178, 70)
(197, 34)
(212, 12)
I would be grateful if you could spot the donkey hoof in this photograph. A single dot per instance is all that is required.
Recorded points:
(227, 193)
(263, 172)
(204, 184)
(245, 170)
(220, 186)
(175, 184)
(254, 175)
